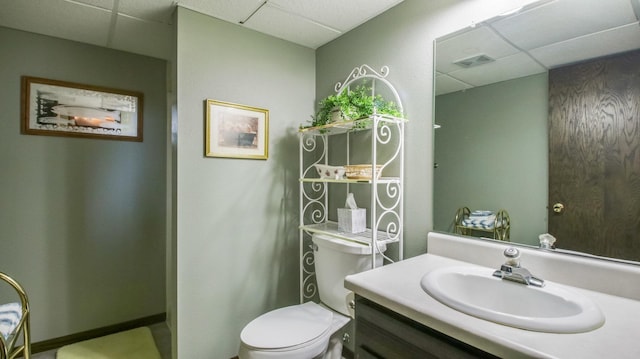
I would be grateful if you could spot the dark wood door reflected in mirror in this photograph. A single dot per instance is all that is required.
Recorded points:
(594, 156)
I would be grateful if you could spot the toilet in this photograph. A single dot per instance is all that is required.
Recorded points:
(311, 330)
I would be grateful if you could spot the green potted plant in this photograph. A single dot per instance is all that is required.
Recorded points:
(352, 105)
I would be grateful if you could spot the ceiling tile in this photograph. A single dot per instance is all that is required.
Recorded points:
(142, 37)
(88, 24)
(229, 10)
(104, 4)
(563, 20)
(337, 14)
(518, 65)
(446, 84)
(477, 41)
(154, 10)
(310, 23)
(275, 22)
(617, 40)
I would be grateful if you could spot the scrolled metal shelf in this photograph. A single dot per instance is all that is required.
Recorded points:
(331, 228)
(362, 124)
(381, 180)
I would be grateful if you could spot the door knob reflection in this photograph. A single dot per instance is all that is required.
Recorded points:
(558, 207)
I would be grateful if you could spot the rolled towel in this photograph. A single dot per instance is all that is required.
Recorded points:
(10, 315)
(487, 222)
(481, 213)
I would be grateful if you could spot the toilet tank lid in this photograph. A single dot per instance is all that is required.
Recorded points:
(287, 327)
(343, 245)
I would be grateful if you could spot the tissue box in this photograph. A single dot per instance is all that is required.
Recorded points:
(352, 220)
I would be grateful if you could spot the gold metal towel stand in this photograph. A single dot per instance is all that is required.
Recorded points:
(12, 348)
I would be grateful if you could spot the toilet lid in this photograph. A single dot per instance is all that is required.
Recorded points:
(287, 327)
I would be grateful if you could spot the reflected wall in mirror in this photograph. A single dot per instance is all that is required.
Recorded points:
(492, 103)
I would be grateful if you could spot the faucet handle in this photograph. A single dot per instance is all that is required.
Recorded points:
(513, 256)
(511, 252)
(547, 241)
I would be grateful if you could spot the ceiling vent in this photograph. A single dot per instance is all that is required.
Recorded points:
(474, 61)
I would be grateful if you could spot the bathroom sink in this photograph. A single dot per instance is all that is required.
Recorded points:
(552, 308)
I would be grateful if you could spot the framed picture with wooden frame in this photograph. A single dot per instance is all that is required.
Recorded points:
(236, 131)
(59, 108)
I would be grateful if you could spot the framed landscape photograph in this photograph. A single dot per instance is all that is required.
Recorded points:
(236, 131)
(59, 108)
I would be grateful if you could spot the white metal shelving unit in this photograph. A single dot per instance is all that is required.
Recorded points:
(385, 212)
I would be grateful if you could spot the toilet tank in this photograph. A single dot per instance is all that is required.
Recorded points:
(335, 259)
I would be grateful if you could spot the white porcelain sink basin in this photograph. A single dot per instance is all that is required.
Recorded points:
(474, 291)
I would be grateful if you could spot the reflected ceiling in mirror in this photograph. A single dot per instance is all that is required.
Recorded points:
(520, 47)
(541, 36)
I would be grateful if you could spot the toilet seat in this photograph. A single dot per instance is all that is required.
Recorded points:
(288, 328)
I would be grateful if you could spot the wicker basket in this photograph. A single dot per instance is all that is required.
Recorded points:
(362, 172)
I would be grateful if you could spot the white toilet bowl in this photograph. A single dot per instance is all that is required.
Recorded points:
(311, 330)
(295, 332)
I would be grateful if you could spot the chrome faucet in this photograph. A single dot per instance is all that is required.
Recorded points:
(512, 271)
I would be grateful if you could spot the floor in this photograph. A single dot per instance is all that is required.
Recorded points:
(160, 332)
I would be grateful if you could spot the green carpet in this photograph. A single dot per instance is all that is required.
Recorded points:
(136, 343)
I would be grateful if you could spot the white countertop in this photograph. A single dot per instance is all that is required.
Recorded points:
(397, 287)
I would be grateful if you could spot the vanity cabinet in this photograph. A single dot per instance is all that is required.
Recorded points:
(382, 333)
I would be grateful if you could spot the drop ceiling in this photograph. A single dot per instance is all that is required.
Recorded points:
(144, 26)
(543, 36)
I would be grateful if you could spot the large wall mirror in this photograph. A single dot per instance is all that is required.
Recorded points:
(492, 107)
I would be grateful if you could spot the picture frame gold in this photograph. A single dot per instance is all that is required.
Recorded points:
(61, 108)
(236, 131)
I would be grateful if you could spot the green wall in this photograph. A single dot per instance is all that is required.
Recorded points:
(237, 219)
(492, 152)
(402, 38)
(82, 221)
